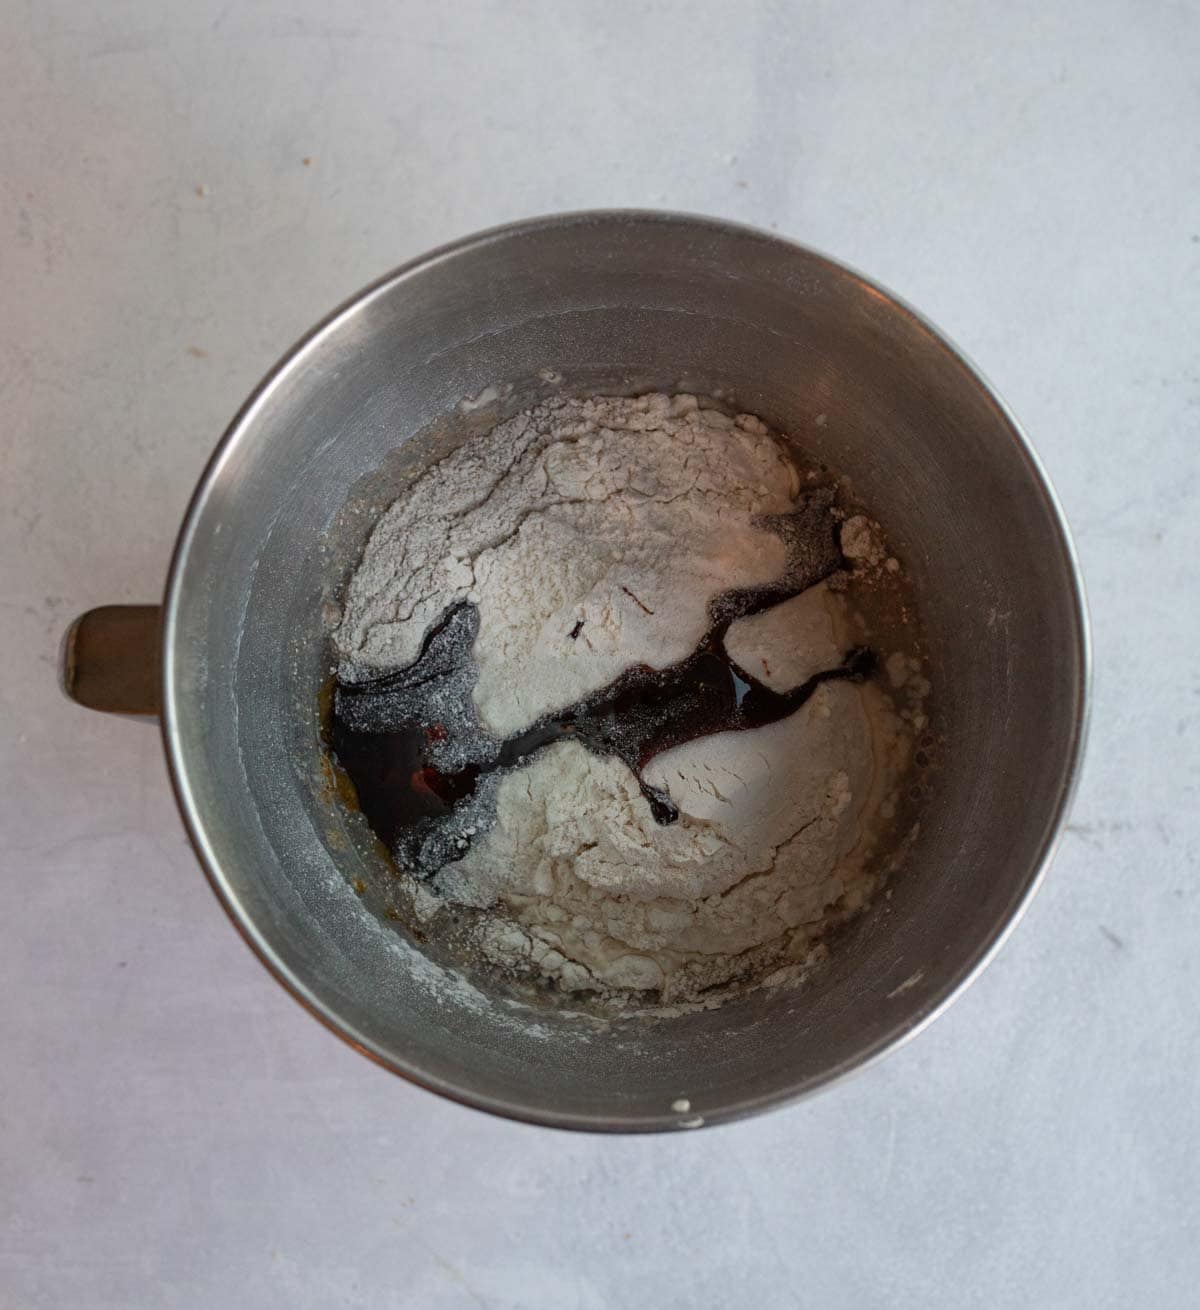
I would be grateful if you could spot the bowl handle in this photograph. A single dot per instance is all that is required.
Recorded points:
(111, 660)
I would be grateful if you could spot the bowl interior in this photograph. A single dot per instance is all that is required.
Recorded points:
(619, 303)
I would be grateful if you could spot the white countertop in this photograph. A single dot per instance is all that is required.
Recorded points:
(184, 188)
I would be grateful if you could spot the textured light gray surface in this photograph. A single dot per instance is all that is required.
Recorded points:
(174, 1131)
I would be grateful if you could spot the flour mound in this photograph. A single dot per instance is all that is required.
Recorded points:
(592, 535)
(613, 520)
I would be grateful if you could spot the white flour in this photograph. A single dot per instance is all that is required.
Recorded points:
(591, 535)
(627, 515)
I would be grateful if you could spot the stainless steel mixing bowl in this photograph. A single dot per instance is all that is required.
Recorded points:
(614, 302)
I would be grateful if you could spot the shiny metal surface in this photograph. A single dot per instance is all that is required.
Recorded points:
(620, 302)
